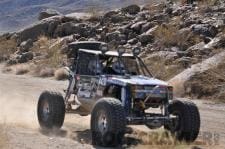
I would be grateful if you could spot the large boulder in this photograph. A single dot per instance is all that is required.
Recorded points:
(182, 10)
(132, 9)
(33, 32)
(137, 26)
(204, 29)
(180, 81)
(216, 43)
(70, 28)
(52, 27)
(26, 45)
(115, 36)
(146, 38)
(48, 13)
(114, 17)
(193, 50)
(25, 57)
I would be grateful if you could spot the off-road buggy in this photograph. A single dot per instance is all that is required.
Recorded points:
(117, 89)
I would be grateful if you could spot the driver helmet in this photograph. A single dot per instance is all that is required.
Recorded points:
(95, 67)
(118, 67)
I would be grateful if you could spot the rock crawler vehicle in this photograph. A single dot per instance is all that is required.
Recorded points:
(117, 89)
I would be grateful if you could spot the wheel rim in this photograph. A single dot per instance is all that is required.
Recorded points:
(176, 124)
(102, 123)
(45, 110)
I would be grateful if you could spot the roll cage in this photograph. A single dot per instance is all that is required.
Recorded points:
(92, 62)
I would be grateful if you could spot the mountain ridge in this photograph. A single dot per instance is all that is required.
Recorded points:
(17, 14)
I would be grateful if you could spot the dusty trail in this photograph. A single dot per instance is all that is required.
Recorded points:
(18, 100)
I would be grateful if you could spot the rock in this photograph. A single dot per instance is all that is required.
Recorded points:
(11, 62)
(205, 51)
(160, 17)
(195, 48)
(118, 18)
(167, 56)
(25, 57)
(52, 27)
(133, 41)
(48, 13)
(114, 17)
(132, 35)
(188, 22)
(182, 53)
(65, 29)
(125, 29)
(218, 42)
(152, 30)
(26, 45)
(69, 39)
(168, 10)
(146, 38)
(70, 28)
(110, 14)
(146, 27)
(204, 29)
(33, 32)
(116, 36)
(156, 7)
(179, 81)
(137, 26)
(182, 10)
(132, 9)
(185, 62)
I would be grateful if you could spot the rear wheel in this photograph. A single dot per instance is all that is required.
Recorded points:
(187, 125)
(108, 122)
(51, 110)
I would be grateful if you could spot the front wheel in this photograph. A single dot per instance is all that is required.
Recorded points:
(51, 110)
(187, 125)
(108, 122)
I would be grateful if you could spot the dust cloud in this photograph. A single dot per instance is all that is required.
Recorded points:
(20, 111)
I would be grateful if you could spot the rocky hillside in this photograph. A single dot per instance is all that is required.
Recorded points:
(181, 43)
(15, 14)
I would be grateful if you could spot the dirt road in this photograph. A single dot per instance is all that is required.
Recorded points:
(18, 100)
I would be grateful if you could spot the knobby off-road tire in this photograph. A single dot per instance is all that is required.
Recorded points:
(188, 125)
(108, 122)
(51, 110)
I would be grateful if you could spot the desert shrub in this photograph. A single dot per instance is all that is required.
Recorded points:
(158, 66)
(3, 137)
(22, 69)
(61, 74)
(170, 35)
(51, 49)
(207, 2)
(7, 47)
(42, 71)
(46, 72)
(6, 70)
(221, 95)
